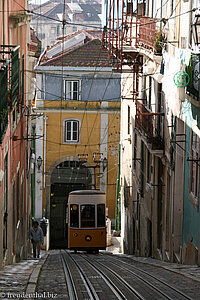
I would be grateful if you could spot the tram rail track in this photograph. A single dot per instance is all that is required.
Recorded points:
(152, 276)
(117, 293)
(135, 293)
(99, 275)
(177, 294)
(73, 289)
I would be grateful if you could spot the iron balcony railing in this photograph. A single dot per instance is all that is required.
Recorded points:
(151, 125)
(9, 55)
(3, 101)
(127, 30)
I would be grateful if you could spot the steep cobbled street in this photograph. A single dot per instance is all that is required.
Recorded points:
(100, 149)
(103, 276)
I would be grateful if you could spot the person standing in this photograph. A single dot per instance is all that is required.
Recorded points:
(37, 238)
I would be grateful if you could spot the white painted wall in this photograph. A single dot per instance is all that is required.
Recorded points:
(38, 173)
(104, 147)
(126, 145)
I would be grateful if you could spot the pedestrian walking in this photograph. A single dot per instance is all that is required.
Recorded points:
(37, 238)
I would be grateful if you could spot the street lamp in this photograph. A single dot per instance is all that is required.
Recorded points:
(39, 162)
(196, 28)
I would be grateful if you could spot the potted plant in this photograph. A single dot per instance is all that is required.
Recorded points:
(159, 41)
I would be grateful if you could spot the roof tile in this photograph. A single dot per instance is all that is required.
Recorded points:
(91, 54)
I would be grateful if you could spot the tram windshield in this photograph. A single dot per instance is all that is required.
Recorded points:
(74, 215)
(100, 215)
(87, 215)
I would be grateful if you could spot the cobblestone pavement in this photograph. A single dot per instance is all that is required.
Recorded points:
(52, 277)
(14, 278)
(45, 278)
(52, 280)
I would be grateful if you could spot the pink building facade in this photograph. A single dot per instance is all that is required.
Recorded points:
(15, 214)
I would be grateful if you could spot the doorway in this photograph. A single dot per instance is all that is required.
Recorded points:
(68, 176)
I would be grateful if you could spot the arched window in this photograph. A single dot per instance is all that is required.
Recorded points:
(71, 131)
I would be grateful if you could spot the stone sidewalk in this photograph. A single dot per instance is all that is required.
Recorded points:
(18, 281)
(189, 271)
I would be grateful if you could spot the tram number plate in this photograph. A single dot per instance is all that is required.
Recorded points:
(93, 277)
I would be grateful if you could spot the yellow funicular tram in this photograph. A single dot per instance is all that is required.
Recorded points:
(87, 220)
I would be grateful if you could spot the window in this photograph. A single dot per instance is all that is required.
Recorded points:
(142, 170)
(152, 8)
(100, 215)
(74, 215)
(135, 152)
(129, 119)
(194, 166)
(160, 110)
(148, 166)
(71, 90)
(144, 89)
(87, 216)
(172, 6)
(150, 87)
(71, 130)
(129, 7)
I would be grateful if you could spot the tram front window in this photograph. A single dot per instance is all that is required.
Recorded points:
(100, 215)
(74, 215)
(87, 216)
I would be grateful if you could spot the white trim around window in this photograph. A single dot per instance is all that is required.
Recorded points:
(72, 89)
(71, 131)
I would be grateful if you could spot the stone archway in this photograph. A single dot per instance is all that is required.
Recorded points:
(65, 175)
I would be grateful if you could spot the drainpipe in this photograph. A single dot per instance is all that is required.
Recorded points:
(44, 156)
(172, 192)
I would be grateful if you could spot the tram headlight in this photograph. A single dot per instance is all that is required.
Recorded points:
(88, 238)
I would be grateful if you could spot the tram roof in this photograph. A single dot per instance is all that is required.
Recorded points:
(87, 192)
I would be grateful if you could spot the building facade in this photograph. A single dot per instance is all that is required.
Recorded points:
(15, 202)
(79, 15)
(79, 103)
(159, 61)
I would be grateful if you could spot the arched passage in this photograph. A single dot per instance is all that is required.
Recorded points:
(66, 175)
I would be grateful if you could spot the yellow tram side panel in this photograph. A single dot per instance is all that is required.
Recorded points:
(77, 238)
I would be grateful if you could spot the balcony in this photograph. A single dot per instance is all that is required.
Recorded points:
(3, 101)
(150, 125)
(193, 70)
(9, 56)
(147, 33)
(128, 33)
